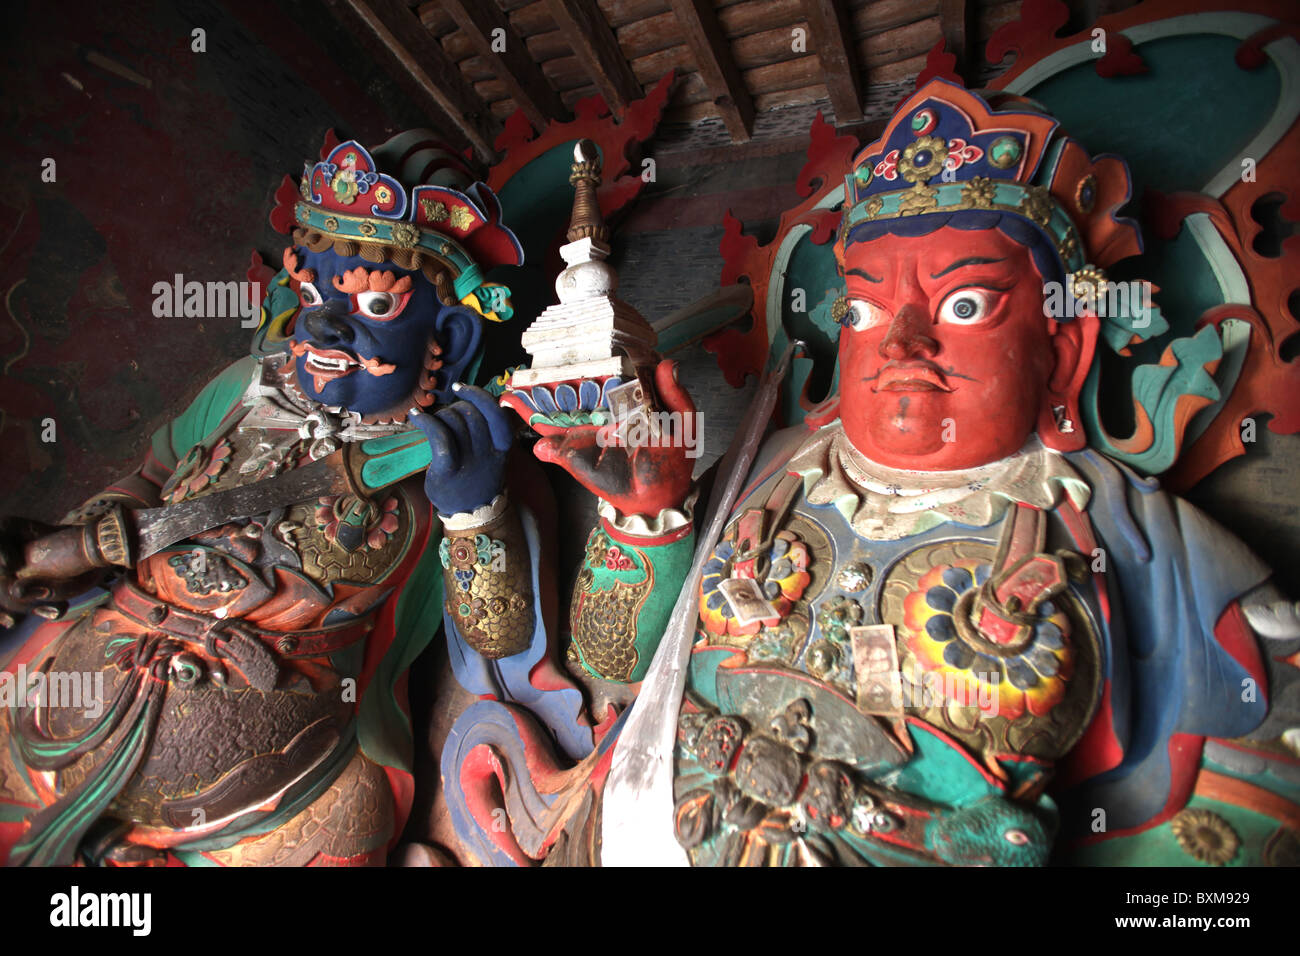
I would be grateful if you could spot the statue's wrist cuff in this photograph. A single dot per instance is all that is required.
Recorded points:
(669, 523)
(484, 514)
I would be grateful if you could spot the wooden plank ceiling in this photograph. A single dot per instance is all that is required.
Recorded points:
(472, 63)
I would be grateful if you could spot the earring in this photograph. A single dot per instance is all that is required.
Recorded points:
(1063, 424)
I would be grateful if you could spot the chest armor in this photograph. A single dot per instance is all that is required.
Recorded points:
(861, 703)
(889, 629)
(258, 629)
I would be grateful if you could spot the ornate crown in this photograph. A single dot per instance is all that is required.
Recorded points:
(346, 197)
(946, 150)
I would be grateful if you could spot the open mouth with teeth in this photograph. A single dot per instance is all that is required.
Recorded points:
(326, 365)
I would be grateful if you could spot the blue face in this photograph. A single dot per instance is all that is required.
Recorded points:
(362, 336)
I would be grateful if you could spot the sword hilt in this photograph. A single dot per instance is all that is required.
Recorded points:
(74, 551)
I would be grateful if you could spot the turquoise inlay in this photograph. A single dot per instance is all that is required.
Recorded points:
(349, 226)
(1007, 197)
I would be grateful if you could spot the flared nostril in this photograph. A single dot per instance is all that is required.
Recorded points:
(327, 328)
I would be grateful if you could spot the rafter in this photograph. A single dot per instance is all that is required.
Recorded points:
(593, 43)
(712, 52)
(830, 32)
(957, 21)
(523, 78)
(416, 59)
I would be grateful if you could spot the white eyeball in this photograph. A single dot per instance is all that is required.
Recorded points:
(377, 305)
(966, 307)
(863, 315)
(308, 295)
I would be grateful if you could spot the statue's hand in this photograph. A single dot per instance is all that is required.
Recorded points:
(637, 480)
(469, 441)
(22, 590)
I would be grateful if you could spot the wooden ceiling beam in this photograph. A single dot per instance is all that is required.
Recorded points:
(830, 36)
(393, 34)
(509, 58)
(957, 23)
(593, 43)
(698, 22)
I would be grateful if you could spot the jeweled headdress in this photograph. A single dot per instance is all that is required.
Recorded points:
(947, 151)
(346, 197)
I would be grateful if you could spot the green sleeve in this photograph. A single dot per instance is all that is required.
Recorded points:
(625, 593)
(174, 440)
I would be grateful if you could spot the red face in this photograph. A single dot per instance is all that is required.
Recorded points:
(946, 356)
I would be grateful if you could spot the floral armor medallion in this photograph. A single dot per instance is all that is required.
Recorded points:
(1032, 692)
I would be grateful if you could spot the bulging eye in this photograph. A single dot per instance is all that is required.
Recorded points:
(966, 307)
(1017, 837)
(378, 305)
(863, 315)
(308, 295)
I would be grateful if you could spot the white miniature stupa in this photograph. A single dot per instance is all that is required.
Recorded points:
(589, 334)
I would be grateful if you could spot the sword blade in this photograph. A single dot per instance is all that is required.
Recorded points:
(637, 819)
(159, 527)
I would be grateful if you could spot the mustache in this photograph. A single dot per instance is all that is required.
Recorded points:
(901, 373)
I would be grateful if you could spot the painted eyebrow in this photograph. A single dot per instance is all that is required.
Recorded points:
(362, 279)
(963, 263)
(859, 272)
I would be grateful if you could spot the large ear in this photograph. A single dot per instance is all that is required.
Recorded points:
(1074, 344)
(459, 332)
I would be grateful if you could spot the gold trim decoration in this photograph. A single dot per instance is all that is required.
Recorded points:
(461, 219)
(1034, 203)
(979, 193)
(405, 235)
(1085, 194)
(367, 229)
(1067, 246)
(1037, 205)
(1206, 836)
(332, 224)
(585, 169)
(433, 210)
(1089, 283)
(920, 198)
(913, 173)
(839, 308)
